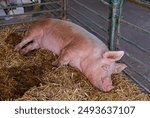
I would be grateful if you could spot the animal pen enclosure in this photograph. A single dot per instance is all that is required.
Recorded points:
(21, 12)
(29, 74)
(123, 33)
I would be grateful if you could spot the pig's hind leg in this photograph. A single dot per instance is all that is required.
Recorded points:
(31, 46)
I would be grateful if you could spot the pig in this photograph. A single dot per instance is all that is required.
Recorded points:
(76, 47)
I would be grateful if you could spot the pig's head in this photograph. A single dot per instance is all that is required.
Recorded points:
(105, 67)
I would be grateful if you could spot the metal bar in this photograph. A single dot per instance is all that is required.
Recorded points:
(127, 72)
(22, 21)
(104, 2)
(135, 59)
(30, 13)
(103, 29)
(142, 2)
(119, 22)
(142, 75)
(54, 7)
(21, 30)
(87, 26)
(114, 27)
(84, 6)
(112, 24)
(135, 26)
(134, 44)
(64, 9)
(29, 5)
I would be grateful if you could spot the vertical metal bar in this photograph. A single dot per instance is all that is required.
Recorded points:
(120, 7)
(113, 26)
(64, 9)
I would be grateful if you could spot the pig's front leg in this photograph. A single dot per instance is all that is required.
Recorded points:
(69, 55)
(31, 46)
(63, 59)
(22, 43)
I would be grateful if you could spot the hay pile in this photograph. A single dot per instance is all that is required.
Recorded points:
(32, 77)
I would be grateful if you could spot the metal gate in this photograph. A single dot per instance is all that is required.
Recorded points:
(137, 56)
(21, 11)
(137, 47)
(110, 29)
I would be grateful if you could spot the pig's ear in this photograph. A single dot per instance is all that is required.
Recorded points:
(113, 55)
(119, 67)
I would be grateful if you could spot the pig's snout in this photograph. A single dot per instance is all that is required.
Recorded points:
(108, 88)
(106, 85)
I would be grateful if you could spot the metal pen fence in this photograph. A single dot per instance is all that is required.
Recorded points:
(20, 12)
(137, 51)
(138, 66)
(111, 33)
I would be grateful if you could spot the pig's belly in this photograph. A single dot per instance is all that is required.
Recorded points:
(51, 45)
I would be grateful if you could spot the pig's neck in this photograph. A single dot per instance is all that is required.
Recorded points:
(90, 64)
(87, 66)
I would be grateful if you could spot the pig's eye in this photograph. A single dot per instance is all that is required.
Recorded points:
(105, 67)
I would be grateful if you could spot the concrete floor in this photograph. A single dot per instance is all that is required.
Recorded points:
(136, 44)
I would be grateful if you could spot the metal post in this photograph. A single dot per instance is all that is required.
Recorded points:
(64, 9)
(119, 17)
(115, 14)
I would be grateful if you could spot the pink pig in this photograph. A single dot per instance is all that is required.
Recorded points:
(76, 47)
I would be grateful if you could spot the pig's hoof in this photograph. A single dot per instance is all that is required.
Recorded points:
(16, 48)
(23, 52)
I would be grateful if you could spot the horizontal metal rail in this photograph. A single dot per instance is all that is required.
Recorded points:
(24, 21)
(88, 27)
(29, 5)
(135, 59)
(135, 80)
(31, 13)
(104, 2)
(142, 2)
(134, 70)
(84, 6)
(134, 44)
(142, 75)
(135, 26)
(52, 6)
(100, 27)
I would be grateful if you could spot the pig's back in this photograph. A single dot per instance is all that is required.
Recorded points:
(66, 32)
(81, 31)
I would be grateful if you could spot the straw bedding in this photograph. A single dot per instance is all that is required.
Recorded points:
(32, 76)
